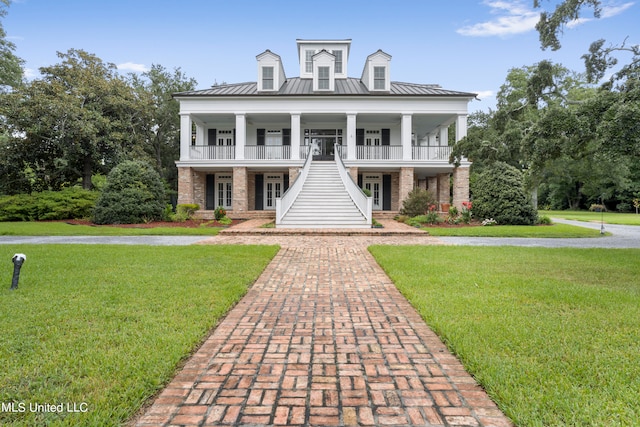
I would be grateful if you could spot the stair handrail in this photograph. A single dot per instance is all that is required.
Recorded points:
(362, 201)
(284, 203)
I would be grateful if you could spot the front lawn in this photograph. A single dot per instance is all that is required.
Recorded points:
(60, 228)
(105, 327)
(608, 217)
(553, 335)
(554, 231)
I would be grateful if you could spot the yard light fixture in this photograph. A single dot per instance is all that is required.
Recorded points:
(18, 260)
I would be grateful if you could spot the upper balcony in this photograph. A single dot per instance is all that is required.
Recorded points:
(283, 152)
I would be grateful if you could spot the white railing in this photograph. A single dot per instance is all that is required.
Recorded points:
(430, 153)
(283, 204)
(379, 152)
(362, 201)
(210, 152)
(267, 152)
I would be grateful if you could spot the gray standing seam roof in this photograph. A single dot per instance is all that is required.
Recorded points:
(299, 87)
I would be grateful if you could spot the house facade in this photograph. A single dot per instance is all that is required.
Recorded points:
(243, 145)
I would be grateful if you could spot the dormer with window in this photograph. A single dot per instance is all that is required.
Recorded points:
(307, 49)
(324, 68)
(375, 75)
(271, 75)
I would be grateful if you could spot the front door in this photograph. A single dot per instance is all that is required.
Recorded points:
(323, 142)
(224, 190)
(273, 184)
(373, 183)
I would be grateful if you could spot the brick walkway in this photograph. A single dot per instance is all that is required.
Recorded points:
(323, 338)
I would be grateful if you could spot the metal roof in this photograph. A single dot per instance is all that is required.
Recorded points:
(303, 87)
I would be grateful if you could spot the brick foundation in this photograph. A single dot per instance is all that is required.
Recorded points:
(460, 186)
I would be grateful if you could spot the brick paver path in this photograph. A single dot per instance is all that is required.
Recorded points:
(323, 338)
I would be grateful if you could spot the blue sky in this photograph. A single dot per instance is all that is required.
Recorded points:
(466, 45)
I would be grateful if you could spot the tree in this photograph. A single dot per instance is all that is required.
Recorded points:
(79, 119)
(162, 132)
(10, 65)
(134, 193)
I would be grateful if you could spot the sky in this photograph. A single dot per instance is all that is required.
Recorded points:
(463, 45)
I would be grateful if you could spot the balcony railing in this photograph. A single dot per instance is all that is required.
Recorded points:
(210, 152)
(267, 152)
(378, 152)
(430, 153)
(277, 152)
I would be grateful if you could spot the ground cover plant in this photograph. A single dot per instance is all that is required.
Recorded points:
(607, 217)
(553, 335)
(107, 326)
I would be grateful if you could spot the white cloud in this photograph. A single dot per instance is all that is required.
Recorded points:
(513, 17)
(30, 73)
(484, 94)
(608, 11)
(130, 66)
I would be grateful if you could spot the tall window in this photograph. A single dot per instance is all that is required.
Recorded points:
(323, 78)
(379, 80)
(338, 55)
(308, 61)
(267, 78)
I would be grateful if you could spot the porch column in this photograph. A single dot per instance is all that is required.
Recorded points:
(240, 201)
(405, 137)
(406, 183)
(443, 189)
(241, 137)
(295, 136)
(461, 127)
(200, 140)
(185, 186)
(444, 136)
(351, 136)
(185, 136)
(460, 186)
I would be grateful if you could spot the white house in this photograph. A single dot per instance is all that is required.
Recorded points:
(243, 145)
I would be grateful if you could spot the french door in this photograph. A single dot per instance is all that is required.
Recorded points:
(273, 184)
(373, 183)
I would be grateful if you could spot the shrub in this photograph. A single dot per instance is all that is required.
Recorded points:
(417, 203)
(498, 193)
(366, 192)
(597, 208)
(225, 220)
(70, 203)
(545, 220)
(133, 194)
(219, 213)
(623, 207)
(184, 212)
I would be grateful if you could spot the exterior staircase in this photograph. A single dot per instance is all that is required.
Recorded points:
(324, 202)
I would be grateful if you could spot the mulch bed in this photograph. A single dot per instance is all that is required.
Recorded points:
(191, 223)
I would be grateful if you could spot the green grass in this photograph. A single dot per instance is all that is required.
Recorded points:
(553, 335)
(608, 217)
(109, 325)
(35, 228)
(555, 230)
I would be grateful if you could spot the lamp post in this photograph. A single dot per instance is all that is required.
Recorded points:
(18, 260)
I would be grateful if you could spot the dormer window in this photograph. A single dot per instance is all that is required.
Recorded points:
(375, 75)
(308, 60)
(267, 78)
(270, 72)
(338, 55)
(379, 78)
(323, 78)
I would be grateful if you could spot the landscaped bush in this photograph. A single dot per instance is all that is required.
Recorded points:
(417, 203)
(133, 194)
(184, 212)
(70, 203)
(498, 193)
(219, 213)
